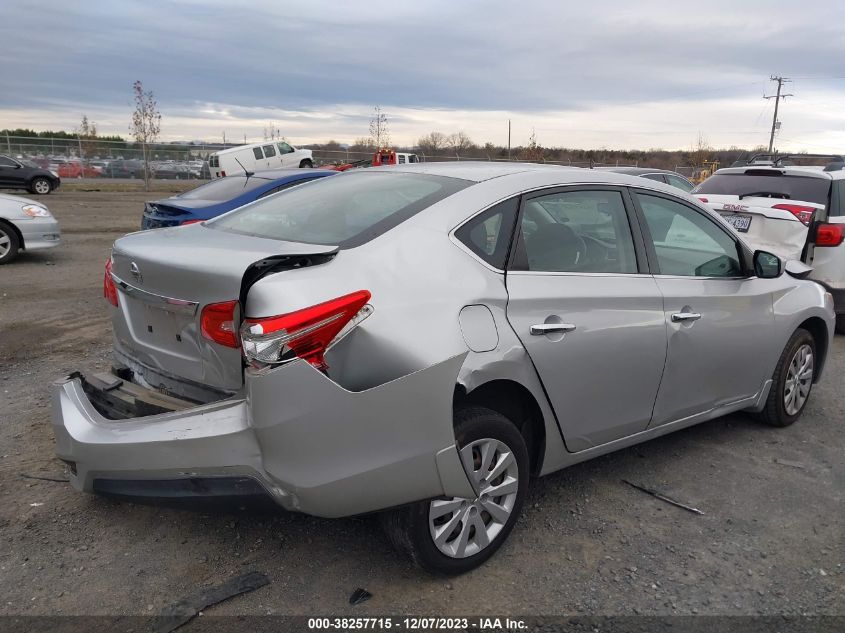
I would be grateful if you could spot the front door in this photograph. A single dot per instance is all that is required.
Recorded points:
(717, 317)
(10, 172)
(588, 313)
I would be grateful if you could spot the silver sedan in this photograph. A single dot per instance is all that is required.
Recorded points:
(25, 225)
(420, 340)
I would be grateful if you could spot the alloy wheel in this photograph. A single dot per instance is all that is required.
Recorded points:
(5, 243)
(42, 186)
(463, 527)
(799, 380)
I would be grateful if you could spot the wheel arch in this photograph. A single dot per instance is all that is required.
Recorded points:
(818, 330)
(514, 401)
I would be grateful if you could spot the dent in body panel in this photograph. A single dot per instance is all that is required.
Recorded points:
(343, 452)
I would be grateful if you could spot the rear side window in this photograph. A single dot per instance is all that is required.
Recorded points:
(488, 234)
(269, 151)
(657, 177)
(578, 232)
(838, 198)
(257, 152)
(776, 185)
(346, 210)
(680, 183)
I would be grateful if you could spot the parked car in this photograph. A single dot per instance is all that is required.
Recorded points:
(660, 175)
(77, 169)
(796, 212)
(354, 345)
(257, 157)
(16, 175)
(124, 169)
(25, 225)
(172, 171)
(221, 195)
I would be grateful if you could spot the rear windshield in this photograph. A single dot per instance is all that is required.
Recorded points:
(346, 210)
(222, 189)
(805, 188)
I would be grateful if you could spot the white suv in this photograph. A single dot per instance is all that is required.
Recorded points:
(796, 212)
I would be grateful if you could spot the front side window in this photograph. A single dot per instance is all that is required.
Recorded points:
(269, 152)
(346, 210)
(7, 162)
(488, 234)
(284, 148)
(687, 243)
(578, 231)
(258, 154)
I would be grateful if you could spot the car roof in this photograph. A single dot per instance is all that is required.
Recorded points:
(475, 171)
(639, 171)
(812, 171)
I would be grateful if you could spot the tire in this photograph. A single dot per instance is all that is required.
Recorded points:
(9, 243)
(40, 186)
(782, 409)
(410, 528)
(306, 163)
(840, 323)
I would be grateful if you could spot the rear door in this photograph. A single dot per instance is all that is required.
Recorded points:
(590, 316)
(717, 318)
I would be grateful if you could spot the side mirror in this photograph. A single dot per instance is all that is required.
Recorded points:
(767, 265)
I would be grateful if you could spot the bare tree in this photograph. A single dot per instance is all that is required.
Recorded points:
(459, 142)
(146, 124)
(379, 132)
(533, 152)
(86, 133)
(432, 143)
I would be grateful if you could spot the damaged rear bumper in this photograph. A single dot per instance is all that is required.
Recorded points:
(310, 444)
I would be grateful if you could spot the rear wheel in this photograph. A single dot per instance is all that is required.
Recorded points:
(792, 381)
(455, 535)
(40, 185)
(9, 243)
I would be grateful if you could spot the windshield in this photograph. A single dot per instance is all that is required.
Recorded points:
(803, 188)
(346, 210)
(223, 189)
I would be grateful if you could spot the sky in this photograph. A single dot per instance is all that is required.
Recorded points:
(601, 74)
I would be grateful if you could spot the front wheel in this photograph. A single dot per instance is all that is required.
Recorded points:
(792, 381)
(9, 244)
(454, 535)
(306, 163)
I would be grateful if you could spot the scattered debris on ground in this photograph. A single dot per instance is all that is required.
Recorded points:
(662, 497)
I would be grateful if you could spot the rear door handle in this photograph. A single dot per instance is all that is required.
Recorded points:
(550, 328)
(679, 317)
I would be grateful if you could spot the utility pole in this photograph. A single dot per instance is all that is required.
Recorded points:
(777, 97)
(509, 139)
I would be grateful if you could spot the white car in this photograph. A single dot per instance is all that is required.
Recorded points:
(25, 225)
(258, 157)
(796, 212)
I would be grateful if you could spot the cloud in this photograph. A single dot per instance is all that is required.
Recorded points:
(598, 74)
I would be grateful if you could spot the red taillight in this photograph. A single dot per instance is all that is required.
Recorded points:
(306, 333)
(829, 235)
(218, 323)
(222, 174)
(703, 199)
(803, 213)
(186, 222)
(109, 289)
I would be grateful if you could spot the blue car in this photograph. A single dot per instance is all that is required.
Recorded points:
(223, 194)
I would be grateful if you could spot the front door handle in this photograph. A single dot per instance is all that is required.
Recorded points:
(680, 317)
(550, 328)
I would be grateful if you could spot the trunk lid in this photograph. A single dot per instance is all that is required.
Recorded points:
(762, 226)
(164, 279)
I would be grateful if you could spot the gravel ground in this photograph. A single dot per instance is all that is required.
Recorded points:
(771, 540)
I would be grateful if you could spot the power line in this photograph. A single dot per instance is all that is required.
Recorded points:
(777, 97)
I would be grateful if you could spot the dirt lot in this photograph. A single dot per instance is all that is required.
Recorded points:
(771, 540)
